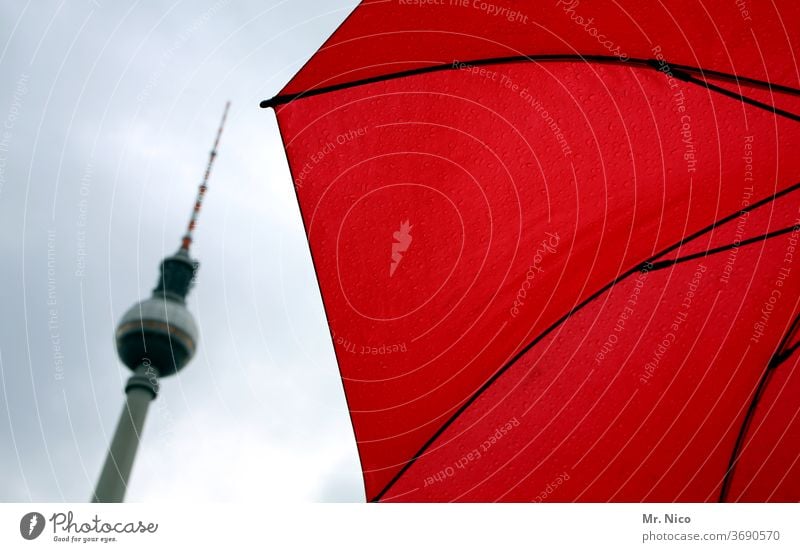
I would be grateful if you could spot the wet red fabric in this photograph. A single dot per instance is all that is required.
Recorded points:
(562, 279)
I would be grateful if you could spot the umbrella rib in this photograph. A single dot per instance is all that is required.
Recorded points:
(736, 96)
(781, 354)
(762, 237)
(789, 352)
(784, 351)
(646, 265)
(650, 63)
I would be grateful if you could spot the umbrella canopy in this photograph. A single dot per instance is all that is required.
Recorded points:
(557, 245)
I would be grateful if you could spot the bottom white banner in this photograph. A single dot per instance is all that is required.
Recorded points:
(355, 527)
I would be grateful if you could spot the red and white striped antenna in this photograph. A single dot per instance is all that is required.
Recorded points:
(201, 191)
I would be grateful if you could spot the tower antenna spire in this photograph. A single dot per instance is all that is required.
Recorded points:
(186, 242)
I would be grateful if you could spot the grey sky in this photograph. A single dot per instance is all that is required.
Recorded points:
(108, 112)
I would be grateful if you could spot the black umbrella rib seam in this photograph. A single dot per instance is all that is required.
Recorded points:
(728, 246)
(647, 265)
(782, 353)
(736, 96)
(661, 66)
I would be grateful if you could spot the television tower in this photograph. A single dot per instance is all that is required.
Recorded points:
(155, 338)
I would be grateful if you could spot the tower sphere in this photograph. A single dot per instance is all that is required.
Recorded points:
(160, 331)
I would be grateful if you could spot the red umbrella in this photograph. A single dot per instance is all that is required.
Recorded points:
(557, 245)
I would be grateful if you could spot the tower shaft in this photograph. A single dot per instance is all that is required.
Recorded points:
(141, 389)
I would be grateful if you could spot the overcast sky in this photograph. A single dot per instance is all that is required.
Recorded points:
(108, 112)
